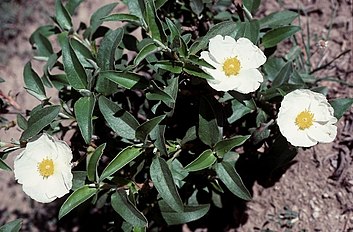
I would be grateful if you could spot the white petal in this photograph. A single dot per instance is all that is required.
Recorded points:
(63, 151)
(322, 133)
(249, 55)
(38, 193)
(41, 148)
(26, 170)
(209, 59)
(55, 186)
(247, 81)
(221, 48)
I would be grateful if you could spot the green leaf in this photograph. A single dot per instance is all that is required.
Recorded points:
(163, 181)
(46, 31)
(106, 58)
(190, 213)
(205, 160)
(283, 75)
(127, 80)
(71, 5)
(76, 74)
(154, 24)
(251, 5)
(197, 6)
(208, 131)
(97, 17)
(121, 121)
(196, 71)
(240, 109)
(223, 28)
(40, 119)
(145, 52)
(250, 30)
(123, 206)
(34, 84)
(83, 110)
(13, 226)
(1, 80)
(229, 176)
(122, 17)
(82, 52)
(157, 136)
(171, 66)
(224, 146)
(340, 106)
(160, 3)
(42, 44)
(278, 19)
(135, 8)
(21, 121)
(159, 94)
(144, 129)
(76, 198)
(93, 161)
(79, 179)
(4, 166)
(121, 159)
(273, 37)
(62, 16)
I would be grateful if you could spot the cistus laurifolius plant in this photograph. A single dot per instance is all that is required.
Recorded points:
(162, 109)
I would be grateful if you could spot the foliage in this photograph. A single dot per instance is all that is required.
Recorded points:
(149, 133)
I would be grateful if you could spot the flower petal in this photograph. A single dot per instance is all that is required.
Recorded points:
(38, 193)
(209, 59)
(322, 133)
(221, 47)
(249, 55)
(247, 81)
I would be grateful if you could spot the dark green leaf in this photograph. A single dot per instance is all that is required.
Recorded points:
(223, 28)
(106, 58)
(163, 181)
(249, 30)
(190, 135)
(83, 110)
(121, 121)
(240, 109)
(1, 80)
(71, 5)
(135, 7)
(283, 75)
(251, 5)
(159, 95)
(190, 213)
(196, 71)
(76, 74)
(160, 3)
(13, 226)
(273, 37)
(224, 146)
(40, 119)
(4, 166)
(123, 206)
(229, 176)
(278, 19)
(171, 66)
(154, 24)
(197, 6)
(208, 131)
(62, 16)
(145, 51)
(121, 159)
(43, 45)
(178, 172)
(205, 160)
(144, 129)
(21, 121)
(46, 31)
(122, 17)
(272, 67)
(128, 80)
(33, 82)
(157, 136)
(79, 178)
(93, 162)
(340, 106)
(97, 17)
(82, 52)
(76, 198)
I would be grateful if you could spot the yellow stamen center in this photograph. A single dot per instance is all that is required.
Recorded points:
(46, 167)
(304, 119)
(231, 66)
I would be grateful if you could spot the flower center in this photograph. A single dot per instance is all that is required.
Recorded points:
(46, 167)
(304, 119)
(231, 66)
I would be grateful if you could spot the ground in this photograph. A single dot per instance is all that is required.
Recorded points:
(314, 194)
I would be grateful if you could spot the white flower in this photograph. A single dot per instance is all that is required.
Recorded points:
(235, 63)
(306, 118)
(44, 169)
